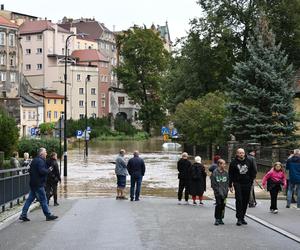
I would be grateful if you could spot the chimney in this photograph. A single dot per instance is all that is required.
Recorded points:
(2, 6)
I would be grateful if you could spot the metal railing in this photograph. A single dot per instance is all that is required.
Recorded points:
(14, 185)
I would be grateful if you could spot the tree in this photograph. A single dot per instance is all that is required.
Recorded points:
(201, 120)
(9, 133)
(261, 94)
(141, 72)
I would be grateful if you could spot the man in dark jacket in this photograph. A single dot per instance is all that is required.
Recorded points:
(38, 175)
(293, 165)
(242, 172)
(136, 169)
(53, 178)
(183, 167)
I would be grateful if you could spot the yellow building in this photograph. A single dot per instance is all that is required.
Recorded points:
(53, 104)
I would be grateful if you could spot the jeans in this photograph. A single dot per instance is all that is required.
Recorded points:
(242, 195)
(138, 181)
(292, 186)
(40, 194)
(220, 208)
(274, 193)
(183, 184)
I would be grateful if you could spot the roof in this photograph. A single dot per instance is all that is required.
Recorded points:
(7, 23)
(49, 95)
(29, 101)
(38, 26)
(92, 29)
(89, 55)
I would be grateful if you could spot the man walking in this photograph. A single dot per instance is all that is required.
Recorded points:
(242, 172)
(136, 169)
(121, 172)
(293, 165)
(38, 175)
(252, 201)
(183, 167)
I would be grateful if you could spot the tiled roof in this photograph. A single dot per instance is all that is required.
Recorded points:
(45, 94)
(89, 55)
(7, 23)
(29, 27)
(92, 29)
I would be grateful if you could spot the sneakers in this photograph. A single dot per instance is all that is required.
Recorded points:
(271, 210)
(187, 203)
(201, 203)
(194, 203)
(56, 204)
(221, 222)
(275, 211)
(51, 217)
(179, 202)
(287, 206)
(23, 218)
(239, 223)
(216, 222)
(244, 222)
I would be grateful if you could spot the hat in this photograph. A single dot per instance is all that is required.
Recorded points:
(198, 159)
(184, 155)
(216, 158)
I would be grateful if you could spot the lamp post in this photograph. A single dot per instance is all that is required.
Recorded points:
(85, 136)
(65, 106)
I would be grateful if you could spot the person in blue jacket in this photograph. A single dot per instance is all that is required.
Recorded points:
(136, 169)
(293, 165)
(38, 175)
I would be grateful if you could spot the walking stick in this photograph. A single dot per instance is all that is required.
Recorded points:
(259, 185)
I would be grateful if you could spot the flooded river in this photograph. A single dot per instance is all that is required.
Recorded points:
(94, 175)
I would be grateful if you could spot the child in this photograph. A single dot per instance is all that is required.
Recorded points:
(274, 179)
(219, 183)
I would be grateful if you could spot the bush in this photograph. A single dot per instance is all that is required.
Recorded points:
(33, 145)
(47, 128)
(9, 133)
(122, 125)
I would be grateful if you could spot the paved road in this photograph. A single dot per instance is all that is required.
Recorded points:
(152, 223)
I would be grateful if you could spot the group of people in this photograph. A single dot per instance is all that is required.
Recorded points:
(136, 169)
(44, 178)
(239, 178)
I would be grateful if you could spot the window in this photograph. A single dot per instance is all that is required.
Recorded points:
(93, 91)
(121, 100)
(29, 115)
(80, 91)
(85, 46)
(55, 114)
(39, 50)
(81, 104)
(11, 40)
(49, 114)
(103, 95)
(103, 103)
(24, 115)
(28, 38)
(39, 66)
(78, 45)
(28, 51)
(2, 59)
(61, 101)
(62, 51)
(2, 38)
(81, 116)
(93, 104)
(54, 101)
(12, 60)
(12, 77)
(49, 101)
(2, 76)
(63, 38)
(78, 77)
(39, 37)
(33, 115)
(28, 66)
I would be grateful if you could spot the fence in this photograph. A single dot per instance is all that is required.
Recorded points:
(14, 185)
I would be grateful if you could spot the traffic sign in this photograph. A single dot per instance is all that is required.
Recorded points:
(79, 134)
(165, 130)
(32, 131)
(88, 129)
(86, 135)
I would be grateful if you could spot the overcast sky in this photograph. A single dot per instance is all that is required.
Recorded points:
(120, 14)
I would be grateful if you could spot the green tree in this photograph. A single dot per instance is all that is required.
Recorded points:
(47, 128)
(9, 133)
(261, 95)
(201, 120)
(141, 71)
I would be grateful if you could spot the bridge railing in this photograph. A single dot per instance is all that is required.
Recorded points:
(14, 185)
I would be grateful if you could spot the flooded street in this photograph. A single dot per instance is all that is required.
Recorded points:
(95, 175)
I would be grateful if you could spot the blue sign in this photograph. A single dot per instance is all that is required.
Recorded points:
(33, 131)
(174, 132)
(165, 130)
(79, 134)
(88, 129)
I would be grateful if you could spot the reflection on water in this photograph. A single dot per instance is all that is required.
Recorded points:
(94, 176)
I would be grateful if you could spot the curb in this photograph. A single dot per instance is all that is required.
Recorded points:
(6, 222)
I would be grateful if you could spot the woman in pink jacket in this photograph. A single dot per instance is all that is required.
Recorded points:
(274, 179)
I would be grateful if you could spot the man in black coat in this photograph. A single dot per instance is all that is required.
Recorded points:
(38, 175)
(242, 172)
(136, 169)
(53, 178)
(183, 167)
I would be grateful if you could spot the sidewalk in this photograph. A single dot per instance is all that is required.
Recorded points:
(152, 223)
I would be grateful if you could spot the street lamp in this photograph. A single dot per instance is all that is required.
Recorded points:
(65, 104)
(88, 77)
